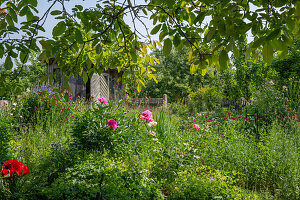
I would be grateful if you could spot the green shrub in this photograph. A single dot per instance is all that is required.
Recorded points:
(206, 183)
(5, 137)
(105, 177)
(90, 129)
(205, 98)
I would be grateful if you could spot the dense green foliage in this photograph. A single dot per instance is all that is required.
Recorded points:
(17, 82)
(173, 76)
(98, 38)
(232, 155)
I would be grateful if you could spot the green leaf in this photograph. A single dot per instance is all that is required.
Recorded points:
(247, 53)
(167, 47)
(176, 40)
(59, 29)
(8, 64)
(223, 60)
(33, 2)
(162, 35)
(85, 77)
(211, 33)
(273, 34)
(193, 68)
(258, 42)
(236, 51)
(204, 72)
(1, 51)
(24, 11)
(155, 29)
(145, 11)
(13, 15)
(268, 53)
(55, 12)
(78, 36)
(79, 7)
(9, 20)
(44, 44)
(23, 57)
(139, 88)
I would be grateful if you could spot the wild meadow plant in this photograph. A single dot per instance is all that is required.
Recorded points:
(79, 150)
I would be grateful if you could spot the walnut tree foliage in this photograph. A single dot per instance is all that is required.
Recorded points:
(87, 41)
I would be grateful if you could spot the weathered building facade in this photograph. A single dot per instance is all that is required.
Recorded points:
(103, 85)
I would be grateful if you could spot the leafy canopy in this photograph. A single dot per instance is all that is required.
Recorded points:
(97, 38)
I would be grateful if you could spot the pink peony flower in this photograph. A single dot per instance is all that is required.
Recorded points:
(147, 115)
(152, 123)
(102, 100)
(196, 126)
(112, 124)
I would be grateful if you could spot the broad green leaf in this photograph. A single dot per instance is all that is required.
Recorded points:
(55, 12)
(32, 2)
(155, 29)
(59, 29)
(190, 20)
(8, 64)
(78, 36)
(144, 11)
(13, 15)
(223, 60)
(236, 51)
(144, 49)
(247, 53)
(204, 72)
(193, 68)
(273, 34)
(258, 42)
(24, 11)
(267, 53)
(44, 44)
(147, 59)
(156, 60)
(79, 7)
(23, 57)
(151, 61)
(162, 35)
(190, 56)
(9, 20)
(211, 33)
(167, 47)
(176, 40)
(1, 51)
(30, 16)
(139, 88)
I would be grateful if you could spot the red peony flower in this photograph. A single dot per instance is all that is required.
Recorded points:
(11, 166)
